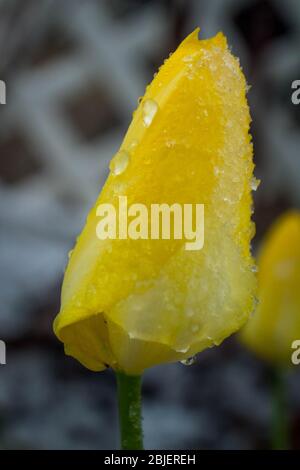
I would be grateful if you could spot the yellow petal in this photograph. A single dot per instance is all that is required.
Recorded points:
(276, 323)
(132, 304)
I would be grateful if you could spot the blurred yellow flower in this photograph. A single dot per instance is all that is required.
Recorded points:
(276, 323)
(131, 304)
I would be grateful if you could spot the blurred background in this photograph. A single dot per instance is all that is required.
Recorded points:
(74, 71)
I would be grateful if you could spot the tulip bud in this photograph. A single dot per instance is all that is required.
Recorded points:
(276, 323)
(131, 303)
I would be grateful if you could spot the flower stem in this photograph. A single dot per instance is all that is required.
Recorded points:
(130, 411)
(280, 434)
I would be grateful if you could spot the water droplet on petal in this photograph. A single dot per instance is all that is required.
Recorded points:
(119, 163)
(254, 183)
(189, 361)
(182, 350)
(70, 253)
(133, 144)
(187, 58)
(150, 108)
(228, 200)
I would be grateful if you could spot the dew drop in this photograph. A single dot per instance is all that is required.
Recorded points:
(189, 361)
(182, 350)
(254, 183)
(150, 108)
(227, 200)
(187, 58)
(133, 144)
(119, 163)
(254, 268)
(70, 253)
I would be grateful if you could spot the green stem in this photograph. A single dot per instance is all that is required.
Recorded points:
(280, 434)
(130, 411)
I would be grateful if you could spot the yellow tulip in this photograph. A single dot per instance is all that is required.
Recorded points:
(131, 304)
(276, 323)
